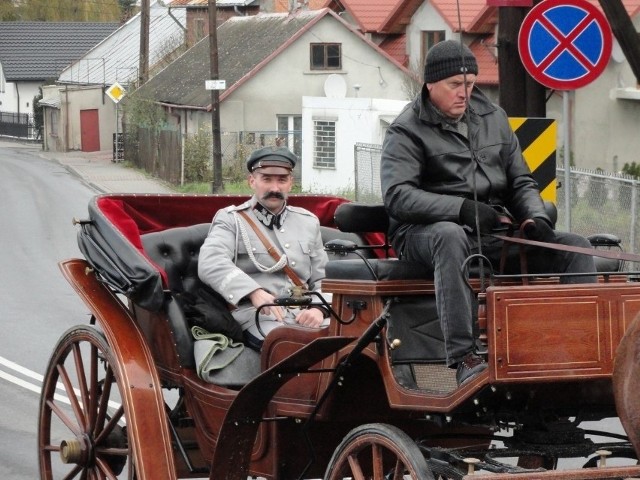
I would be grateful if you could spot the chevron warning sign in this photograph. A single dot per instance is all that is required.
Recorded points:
(537, 137)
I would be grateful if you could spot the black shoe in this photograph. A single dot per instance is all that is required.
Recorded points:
(470, 366)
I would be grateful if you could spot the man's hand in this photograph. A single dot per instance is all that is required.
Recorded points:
(488, 218)
(310, 317)
(539, 230)
(259, 297)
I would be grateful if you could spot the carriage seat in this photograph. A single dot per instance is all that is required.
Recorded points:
(364, 218)
(175, 251)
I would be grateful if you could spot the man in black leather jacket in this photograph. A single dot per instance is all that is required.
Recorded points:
(448, 159)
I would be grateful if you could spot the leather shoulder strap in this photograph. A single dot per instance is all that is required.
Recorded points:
(273, 251)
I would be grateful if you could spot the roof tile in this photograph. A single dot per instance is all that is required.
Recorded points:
(243, 43)
(396, 47)
(485, 53)
(117, 58)
(38, 51)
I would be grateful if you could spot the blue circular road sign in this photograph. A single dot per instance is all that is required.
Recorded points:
(565, 44)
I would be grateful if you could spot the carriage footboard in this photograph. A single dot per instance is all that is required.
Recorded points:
(238, 432)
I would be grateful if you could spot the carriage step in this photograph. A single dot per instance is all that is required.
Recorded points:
(437, 379)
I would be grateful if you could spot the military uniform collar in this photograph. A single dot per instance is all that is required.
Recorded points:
(264, 216)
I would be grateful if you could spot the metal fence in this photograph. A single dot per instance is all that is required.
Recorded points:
(163, 155)
(600, 202)
(18, 125)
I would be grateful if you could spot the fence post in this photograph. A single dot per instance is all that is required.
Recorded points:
(355, 168)
(566, 160)
(634, 208)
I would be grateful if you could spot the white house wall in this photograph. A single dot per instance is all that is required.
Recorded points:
(358, 120)
(426, 18)
(18, 97)
(278, 88)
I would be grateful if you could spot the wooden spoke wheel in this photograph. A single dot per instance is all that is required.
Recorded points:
(377, 452)
(82, 431)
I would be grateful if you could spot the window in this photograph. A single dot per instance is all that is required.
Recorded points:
(290, 130)
(429, 39)
(324, 144)
(326, 56)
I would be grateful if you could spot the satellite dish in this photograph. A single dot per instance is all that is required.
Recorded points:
(335, 86)
(616, 52)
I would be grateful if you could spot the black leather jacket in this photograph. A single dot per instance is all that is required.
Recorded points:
(427, 167)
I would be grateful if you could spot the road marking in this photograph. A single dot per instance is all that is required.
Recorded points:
(20, 369)
(37, 388)
(20, 382)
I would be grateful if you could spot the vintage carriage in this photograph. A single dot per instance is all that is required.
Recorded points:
(366, 397)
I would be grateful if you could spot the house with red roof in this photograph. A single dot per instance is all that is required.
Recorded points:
(270, 62)
(406, 29)
(604, 116)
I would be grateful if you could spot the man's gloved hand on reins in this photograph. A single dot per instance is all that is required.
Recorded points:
(540, 231)
(488, 218)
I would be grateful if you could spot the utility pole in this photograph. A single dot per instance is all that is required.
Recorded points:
(143, 69)
(216, 185)
(520, 94)
(625, 33)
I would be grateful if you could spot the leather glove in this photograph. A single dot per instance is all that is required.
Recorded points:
(488, 218)
(540, 231)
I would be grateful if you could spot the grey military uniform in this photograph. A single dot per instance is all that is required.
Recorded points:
(234, 262)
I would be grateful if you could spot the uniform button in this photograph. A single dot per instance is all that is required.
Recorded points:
(282, 230)
(253, 249)
(293, 264)
(286, 245)
(230, 296)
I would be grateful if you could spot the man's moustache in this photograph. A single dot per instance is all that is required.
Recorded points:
(277, 195)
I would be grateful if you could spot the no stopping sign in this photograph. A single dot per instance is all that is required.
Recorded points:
(565, 44)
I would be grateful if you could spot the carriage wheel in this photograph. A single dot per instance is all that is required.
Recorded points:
(377, 451)
(82, 431)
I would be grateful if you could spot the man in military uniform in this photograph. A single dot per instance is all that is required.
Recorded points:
(235, 262)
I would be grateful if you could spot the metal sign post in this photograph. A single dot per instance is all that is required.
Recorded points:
(116, 92)
(564, 45)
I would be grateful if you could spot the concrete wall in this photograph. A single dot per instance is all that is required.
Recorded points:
(87, 99)
(358, 120)
(72, 100)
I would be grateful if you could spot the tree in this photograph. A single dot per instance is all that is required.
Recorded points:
(38, 114)
(7, 11)
(69, 10)
(127, 9)
(631, 169)
(412, 82)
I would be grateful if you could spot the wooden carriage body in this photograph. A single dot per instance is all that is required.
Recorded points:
(551, 351)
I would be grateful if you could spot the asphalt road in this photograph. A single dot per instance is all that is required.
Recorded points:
(39, 198)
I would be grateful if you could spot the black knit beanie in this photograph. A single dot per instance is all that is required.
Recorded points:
(448, 58)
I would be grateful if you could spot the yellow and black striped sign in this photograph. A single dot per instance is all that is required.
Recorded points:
(537, 137)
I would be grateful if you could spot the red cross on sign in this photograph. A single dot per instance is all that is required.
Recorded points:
(565, 44)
